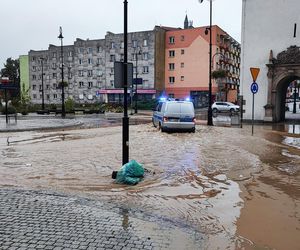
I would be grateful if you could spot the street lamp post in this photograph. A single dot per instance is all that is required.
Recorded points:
(63, 113)
(209, 29)
(43, 100)
(125, 132)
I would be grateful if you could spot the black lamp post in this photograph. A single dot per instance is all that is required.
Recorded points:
(295, 92)
(63, 113)
(137, 52)
(208, 29)
(43, 100)
(125, 140)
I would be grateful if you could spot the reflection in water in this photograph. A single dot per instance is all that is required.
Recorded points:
(289, 128)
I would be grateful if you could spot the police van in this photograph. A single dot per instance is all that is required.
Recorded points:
(174, 114)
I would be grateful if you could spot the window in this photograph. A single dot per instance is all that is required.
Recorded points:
(33, 68)
(182, 78)
(99, 72)
(55, 96)
(112, 45)
(90, 73)
(81, 84)
(54, 75)
(47, 86)
(70, 53)
(40, 87)
(33, 77)
(90, 50)
(34, 96)
(182, 52)
(53, 65)
(182, 38)
(171, 66)
(54, 85)
(133, 56)
(41, 97)
(122, 57)
(145, 69)
(171, 53)
(171, 79)
(33, 58)
(122, 45)
(48, 97)
(80, 72)
(33, 87)
(171, 39)
(146, 83)
(145, 56)
(182, 65)
(99, 49)
(90, 84)
(145, 42)
(98, 61)
(80, 61)
(112, 83)
(54, 55)
(112, 71)
(90, 61)
(112, 58)
(134, 43)
(134, 70)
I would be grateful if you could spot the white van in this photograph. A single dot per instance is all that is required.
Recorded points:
(174, 115)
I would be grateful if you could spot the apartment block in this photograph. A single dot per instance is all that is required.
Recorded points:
(187, 65)
(88, 67)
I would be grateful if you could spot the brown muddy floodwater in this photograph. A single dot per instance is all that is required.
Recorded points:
(240, 191)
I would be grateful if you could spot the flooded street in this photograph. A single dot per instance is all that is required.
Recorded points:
(239, 191)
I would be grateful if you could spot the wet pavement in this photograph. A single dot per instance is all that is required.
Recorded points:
(218, 188)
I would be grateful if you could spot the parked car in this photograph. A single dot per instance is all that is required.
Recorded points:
(225, 107)
(174, 115)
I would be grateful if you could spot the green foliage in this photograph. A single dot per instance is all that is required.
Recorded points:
(146, 104)
(69, 104)
(24, 100)
(219, 74)
(10, 110)
(11, 70)
(111, 107)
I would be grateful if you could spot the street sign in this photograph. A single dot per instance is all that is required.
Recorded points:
(254, 88)
(254, 73)
(138, 81)
(119, 74)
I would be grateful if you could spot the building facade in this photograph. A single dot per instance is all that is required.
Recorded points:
(187, 65)
(89, 68)
(270, 42)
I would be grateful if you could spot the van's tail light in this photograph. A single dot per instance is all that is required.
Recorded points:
(194, 120)
(165, 119)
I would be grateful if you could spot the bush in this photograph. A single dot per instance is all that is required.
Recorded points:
(10, 110)
(69, 104)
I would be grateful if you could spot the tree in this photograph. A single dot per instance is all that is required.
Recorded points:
(12, 71)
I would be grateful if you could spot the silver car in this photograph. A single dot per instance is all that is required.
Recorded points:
(225, 107)
(174, 115)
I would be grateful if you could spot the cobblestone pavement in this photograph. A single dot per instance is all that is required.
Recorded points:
(44, 220)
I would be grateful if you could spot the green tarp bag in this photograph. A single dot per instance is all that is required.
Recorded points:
(131, 173)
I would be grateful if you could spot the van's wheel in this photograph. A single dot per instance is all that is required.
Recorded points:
(154, 125)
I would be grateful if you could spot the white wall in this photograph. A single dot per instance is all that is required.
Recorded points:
(266, 25)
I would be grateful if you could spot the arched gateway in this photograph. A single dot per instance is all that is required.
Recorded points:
(281, 72)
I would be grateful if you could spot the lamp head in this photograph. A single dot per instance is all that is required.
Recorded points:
(60, 33)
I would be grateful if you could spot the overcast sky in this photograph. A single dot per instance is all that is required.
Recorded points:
(34, 24)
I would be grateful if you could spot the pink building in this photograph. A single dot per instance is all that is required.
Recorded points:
(187, 65)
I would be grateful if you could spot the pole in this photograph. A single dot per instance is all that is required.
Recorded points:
(63, 113)
(6, 109)
(295, 91)
(136, 76)
(252, 113)
(43, 102)
(125, 158)
(209, 114)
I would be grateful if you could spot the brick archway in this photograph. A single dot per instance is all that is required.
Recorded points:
(281, 72)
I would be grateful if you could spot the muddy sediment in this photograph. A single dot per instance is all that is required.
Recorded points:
(239, 190)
